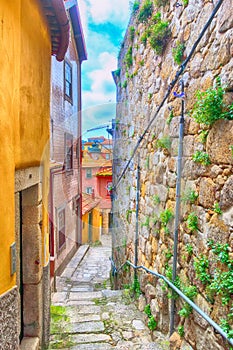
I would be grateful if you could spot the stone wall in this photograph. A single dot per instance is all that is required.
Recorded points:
(206, 190)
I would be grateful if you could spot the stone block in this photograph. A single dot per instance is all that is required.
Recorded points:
(175, 341)
(33, 310)
(150, 293)
(30, 344)
(207, 193)
(204, 306)
(226, 196)
(218, 146)
(26, 178)
(32, 259)
(32, 214)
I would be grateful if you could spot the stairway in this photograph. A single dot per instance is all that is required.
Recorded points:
(88, 315)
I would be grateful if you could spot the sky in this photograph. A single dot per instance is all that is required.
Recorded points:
(104, 23)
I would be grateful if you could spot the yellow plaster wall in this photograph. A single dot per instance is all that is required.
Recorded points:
(24, 115)
(95, 229)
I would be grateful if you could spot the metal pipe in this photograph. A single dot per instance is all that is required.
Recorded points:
(137, 217)
(177, 213)
(184, 297)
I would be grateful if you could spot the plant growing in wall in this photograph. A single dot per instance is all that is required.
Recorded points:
(203, 136)
(159, 3)
(180, 331)
(190, 196)
(165, 217)
(145, 36)
(201, 266)
(146, 223)
(145, 11)
(156, 199)
(170, 117)
(152, 324)
(224, 323)
(192, 222)
(210, 105)
(128, 212)
(201, 157)
(124, 85)
(189, 249)
(129, 57)
(131, 32)
(191, 293)
(217, 209)
(135, 7)
(231, 149)
(164, 143)
(159, 34)
(178, 52)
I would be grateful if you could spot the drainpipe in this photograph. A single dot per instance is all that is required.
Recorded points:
(137, 218)
(177, 213)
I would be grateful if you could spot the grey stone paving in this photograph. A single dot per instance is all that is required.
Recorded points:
(88, 315)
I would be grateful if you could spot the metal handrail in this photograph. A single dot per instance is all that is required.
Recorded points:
(181, 294)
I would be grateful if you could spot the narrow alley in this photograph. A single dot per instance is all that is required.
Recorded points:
(87, 315)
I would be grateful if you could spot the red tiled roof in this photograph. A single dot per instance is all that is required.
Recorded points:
(88, 202)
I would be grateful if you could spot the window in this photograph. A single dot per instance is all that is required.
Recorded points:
(68, 152)
(61, 228)
(68, 81)
(89, 190)
(107, 156)
(88, 173)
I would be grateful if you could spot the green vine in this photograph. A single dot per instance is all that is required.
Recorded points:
(210, 105)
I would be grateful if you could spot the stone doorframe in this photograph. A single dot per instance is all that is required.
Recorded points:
(28, 209)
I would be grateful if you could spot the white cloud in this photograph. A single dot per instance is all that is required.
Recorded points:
(102, 49)
(102, 89)
(114, 11)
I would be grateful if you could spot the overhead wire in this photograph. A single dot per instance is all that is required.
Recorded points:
(170, 87)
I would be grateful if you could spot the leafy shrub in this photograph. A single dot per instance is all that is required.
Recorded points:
(145, 11)
(131, 32)
(159, 34)
(180, 331)
(189, 249)
(201, 157)
(203, 135)
(152, 324)
(177, 52)
(166, 216)
(170, 117)
(129, 57)
(210, 107)
(164, 142)
(201, 266)
(124, 85)
(190, 196)
(135, 7)
(192, 222)
(217, 209)
(145, 36)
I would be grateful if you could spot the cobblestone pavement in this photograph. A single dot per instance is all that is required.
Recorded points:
(87, 315)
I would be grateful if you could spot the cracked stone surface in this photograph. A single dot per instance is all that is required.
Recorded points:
(88, 315)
